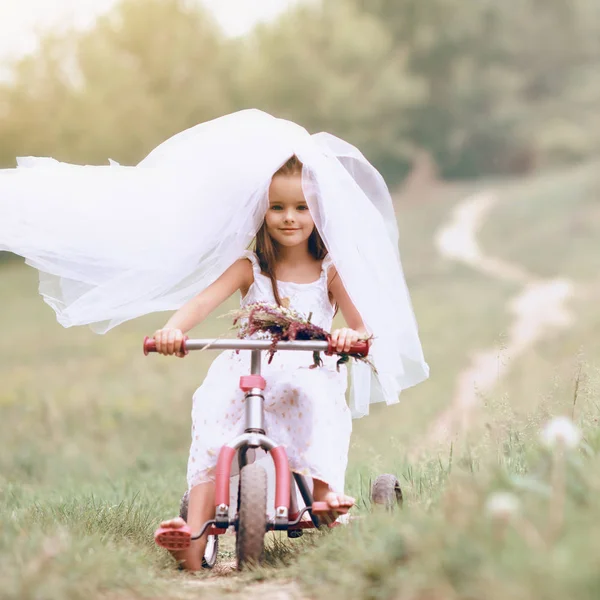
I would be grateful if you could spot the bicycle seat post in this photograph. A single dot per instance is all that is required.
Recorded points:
(253, 386)
(255, 362)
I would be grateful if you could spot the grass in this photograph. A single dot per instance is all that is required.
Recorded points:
(95, 441)
(444, 545)
(549, 224)
(559, 228)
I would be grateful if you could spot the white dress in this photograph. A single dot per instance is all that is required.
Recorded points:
(305, 409)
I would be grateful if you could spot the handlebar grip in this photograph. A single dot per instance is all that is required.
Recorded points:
(150, 345)
(360, 348)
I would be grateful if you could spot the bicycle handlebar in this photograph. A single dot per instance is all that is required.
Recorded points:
(360, 348)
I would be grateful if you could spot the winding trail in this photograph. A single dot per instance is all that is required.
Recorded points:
(539, 310)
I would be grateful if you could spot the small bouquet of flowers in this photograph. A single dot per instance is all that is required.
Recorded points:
(282, 323)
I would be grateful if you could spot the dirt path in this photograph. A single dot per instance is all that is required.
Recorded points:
(229, 587)
(538, 310)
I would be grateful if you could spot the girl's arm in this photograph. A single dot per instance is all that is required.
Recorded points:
(238, 277)
(344, 338)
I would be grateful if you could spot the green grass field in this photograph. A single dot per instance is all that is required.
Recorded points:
(95, 439)
(549, 224)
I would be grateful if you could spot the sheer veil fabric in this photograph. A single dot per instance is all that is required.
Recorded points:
(112, 243)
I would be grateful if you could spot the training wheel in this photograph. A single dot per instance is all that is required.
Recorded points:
(386, 492)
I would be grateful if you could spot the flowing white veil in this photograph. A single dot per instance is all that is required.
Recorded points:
(113, 243)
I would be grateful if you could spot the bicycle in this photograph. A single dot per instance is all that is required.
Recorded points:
(251, 522)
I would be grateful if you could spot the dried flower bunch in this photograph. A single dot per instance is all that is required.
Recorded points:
(282, 324)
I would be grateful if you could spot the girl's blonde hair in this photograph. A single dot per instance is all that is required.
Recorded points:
(265, 249)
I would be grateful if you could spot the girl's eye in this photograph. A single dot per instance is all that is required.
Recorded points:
(276, 207)
(302, 207)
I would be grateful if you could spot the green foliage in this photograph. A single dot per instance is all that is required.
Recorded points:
(146, 71)
(485, 87)
(508, 86)
(333, 68)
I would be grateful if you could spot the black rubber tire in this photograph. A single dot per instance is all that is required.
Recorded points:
(386, 492)
(209, 560)
(252, 516)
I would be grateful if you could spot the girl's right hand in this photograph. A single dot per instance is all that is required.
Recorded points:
(168, 341)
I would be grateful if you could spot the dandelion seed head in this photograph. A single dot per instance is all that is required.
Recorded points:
(502, 505)
(561, 430)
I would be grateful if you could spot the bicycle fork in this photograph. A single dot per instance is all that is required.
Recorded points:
(253, 386)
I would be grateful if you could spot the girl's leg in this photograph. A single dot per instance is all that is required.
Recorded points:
(201, 508)
(323, 493)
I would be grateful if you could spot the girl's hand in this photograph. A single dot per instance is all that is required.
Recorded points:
(344, 338)
(168, 341)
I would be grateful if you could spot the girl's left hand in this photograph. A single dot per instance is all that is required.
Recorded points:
(344, 338)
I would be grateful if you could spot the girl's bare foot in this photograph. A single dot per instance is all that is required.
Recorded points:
(201, 508)
(190, 558)
(337, 500)
(323, 493)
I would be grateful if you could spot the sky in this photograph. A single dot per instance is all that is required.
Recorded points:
(21, 21)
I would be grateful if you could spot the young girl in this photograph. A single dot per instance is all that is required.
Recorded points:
(305, 409)
(113, 243)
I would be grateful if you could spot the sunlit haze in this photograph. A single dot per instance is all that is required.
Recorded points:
(21, 21)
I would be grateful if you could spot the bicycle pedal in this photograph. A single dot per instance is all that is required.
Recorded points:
(173, 539)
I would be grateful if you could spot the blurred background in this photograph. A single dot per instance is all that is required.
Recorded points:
(484, 118)
(481, 88)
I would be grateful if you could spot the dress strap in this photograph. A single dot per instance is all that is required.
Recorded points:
(251, 256)
(327, 262)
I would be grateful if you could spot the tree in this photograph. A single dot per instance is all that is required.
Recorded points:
(148, 69)
(494, 74)
(332, 68)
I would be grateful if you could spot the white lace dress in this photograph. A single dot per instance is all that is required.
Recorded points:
(305, 409)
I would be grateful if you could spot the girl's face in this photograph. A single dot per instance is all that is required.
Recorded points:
(288, 219)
